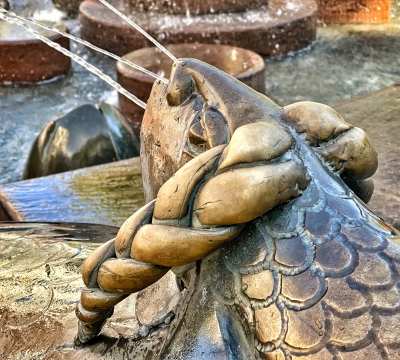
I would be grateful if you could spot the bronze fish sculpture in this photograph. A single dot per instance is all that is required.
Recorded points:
(255, 212)
(258, 210)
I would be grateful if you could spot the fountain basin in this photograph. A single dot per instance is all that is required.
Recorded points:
(243, 64)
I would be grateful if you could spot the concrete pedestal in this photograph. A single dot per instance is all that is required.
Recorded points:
(25, 59)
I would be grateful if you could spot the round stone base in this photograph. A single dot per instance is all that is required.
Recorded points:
(71, 7)
(25, 59)
(276, 29)
(243, 64)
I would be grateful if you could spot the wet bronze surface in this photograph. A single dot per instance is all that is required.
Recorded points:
(24, 59)
(313, 275)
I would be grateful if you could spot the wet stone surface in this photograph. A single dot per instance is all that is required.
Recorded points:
(104, 194)
(28, 8)
(277, 28)
(345, 62)
(395, 9)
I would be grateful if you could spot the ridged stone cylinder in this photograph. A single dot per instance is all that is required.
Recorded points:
(270, 29)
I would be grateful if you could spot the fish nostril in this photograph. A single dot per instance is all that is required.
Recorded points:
(181, 85)
(179, 91)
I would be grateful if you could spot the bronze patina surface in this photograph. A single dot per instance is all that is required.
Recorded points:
(279, 258)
